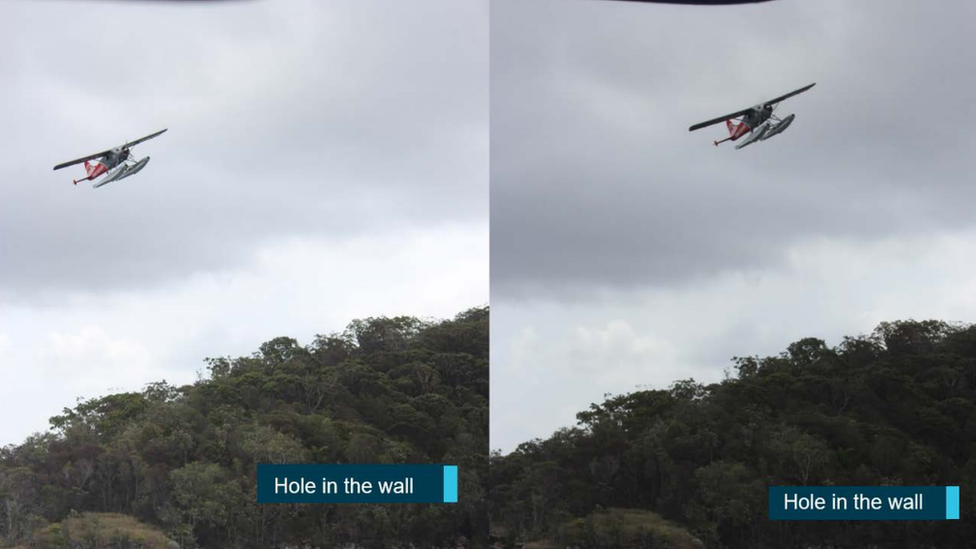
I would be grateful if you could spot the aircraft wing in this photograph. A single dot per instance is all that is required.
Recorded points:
(789, 95)
(80, 160)
(140, 140)
(707, 123)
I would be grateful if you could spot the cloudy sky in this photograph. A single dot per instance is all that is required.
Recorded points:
(627, 251)
(325, 161)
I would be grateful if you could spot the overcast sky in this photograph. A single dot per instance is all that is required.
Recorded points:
(627, 251)
(325, 161)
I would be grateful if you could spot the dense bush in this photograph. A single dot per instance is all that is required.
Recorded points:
(897, 407)
(387, 390)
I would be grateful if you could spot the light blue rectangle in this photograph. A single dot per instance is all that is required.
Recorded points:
(952, 503)
(450, 483)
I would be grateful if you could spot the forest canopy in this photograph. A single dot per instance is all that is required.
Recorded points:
(183, 459)
(896, 407)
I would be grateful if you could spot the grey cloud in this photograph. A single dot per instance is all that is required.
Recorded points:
(328, 119)
(596, 182)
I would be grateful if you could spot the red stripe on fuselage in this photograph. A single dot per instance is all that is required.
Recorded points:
(95, 169)
(739, 130)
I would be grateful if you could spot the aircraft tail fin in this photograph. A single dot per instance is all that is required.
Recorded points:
(89, 168)
(731, 125)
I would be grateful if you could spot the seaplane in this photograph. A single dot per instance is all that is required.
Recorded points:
(115, 164)
(756, 123)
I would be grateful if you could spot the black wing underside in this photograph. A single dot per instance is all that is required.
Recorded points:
(83, 159)
(789, 95)
(707, 123)
(141, 139)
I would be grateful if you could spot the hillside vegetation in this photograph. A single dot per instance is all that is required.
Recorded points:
(100, 531)
(183, 459)
(897, 407)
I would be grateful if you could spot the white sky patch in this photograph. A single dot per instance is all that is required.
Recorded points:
(525, 346)
(46, 371)
(92, 350)
(615, 351)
